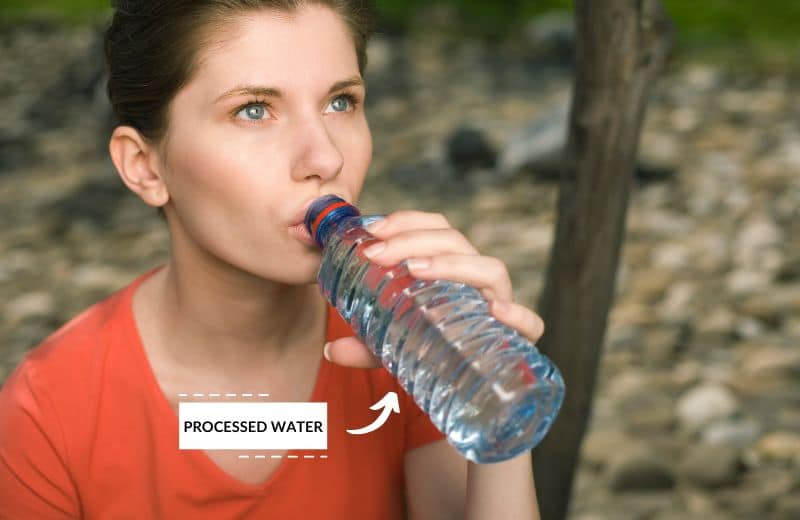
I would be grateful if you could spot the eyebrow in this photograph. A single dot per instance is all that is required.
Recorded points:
(261, 90)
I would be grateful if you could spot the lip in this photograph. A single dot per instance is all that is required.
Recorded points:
(297, 226)
(300, 233)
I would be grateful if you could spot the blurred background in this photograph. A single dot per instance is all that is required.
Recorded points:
(697, 408)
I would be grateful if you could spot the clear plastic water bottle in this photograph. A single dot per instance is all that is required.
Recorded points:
(488, 389)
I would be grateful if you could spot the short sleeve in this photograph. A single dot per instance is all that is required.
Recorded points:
(419, 428)
(34, 480)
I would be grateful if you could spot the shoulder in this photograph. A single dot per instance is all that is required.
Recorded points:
(64, 371)
(67, 353)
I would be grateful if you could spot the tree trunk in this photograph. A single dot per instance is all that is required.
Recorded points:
(620, 47)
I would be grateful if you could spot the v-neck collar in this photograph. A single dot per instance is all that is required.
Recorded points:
(168, 419)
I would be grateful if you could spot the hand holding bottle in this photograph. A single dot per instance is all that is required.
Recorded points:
(418, 236)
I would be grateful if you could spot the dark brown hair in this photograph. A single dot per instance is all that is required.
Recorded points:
(152, 47)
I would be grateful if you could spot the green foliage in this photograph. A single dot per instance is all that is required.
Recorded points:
(699, 23)
(65, 11)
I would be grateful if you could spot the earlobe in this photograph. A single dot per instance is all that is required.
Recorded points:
(137, 163)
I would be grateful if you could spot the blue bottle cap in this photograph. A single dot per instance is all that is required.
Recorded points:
(324, 214)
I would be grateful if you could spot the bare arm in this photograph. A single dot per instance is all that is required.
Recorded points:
(442, 485)
(502, 490)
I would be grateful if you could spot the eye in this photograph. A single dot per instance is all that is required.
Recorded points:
(254, 111)
(344, 101)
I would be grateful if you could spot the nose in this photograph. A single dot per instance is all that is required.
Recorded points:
(318, 153)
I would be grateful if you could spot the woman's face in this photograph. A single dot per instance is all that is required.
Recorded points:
(241, 165)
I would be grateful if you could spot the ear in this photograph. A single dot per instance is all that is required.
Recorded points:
(139, 165)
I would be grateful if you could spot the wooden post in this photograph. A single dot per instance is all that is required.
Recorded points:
(620, 47)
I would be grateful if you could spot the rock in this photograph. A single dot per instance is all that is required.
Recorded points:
(663, 344)
(32, 304)
(789, 270)
(771, 362)
(787, 507)
(780, 445)
(711, 467)
(651, 284)
(379, 54)
(648, 421)
(757, 234)
(600, 445)
(100, 277)
(743, 281)
(747, 327)
(552, 36)
(720, 321)
(468, 148)
(745, 502)
(537, 147)
(421, 175)
(671, 255)
(736, 433)
(677, 303)
(705, 403)
(657, 157)
(639, 469)
(774, 305)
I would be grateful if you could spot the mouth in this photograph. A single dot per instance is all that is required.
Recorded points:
(297, 226)
(300, 232)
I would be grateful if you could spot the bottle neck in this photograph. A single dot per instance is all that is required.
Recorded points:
(325, 215)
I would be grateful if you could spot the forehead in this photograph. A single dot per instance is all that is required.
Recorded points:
(310, 46)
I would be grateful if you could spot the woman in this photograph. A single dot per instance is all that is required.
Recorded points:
(233, 116)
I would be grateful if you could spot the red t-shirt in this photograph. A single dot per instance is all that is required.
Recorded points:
(85, 431)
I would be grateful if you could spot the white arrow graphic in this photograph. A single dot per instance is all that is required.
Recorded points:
(390, 404)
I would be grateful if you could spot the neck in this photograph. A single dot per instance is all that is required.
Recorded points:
(230, 319)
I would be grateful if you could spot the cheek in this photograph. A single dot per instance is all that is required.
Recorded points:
(212, 172)
(357, 149)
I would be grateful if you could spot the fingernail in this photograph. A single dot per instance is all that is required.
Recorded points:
(374, 249)
(326, 351)
(376, 226)
(418, 263)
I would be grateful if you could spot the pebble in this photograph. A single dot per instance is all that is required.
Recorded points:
(732, 432)
(771, 362)
(780, 446)
(639, 470)
(711, 467)
(32, 304)
(705, 403)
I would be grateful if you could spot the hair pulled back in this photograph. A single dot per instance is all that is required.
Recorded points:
(152, 46)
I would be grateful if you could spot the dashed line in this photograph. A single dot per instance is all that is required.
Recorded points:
(226, 395)
(281, 456)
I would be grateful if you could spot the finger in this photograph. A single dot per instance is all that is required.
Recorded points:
(519, 317)
(351, 352)
(485, 273)
(418, 242)
(405, 220)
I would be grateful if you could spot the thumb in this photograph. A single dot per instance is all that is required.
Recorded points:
(351, 352)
